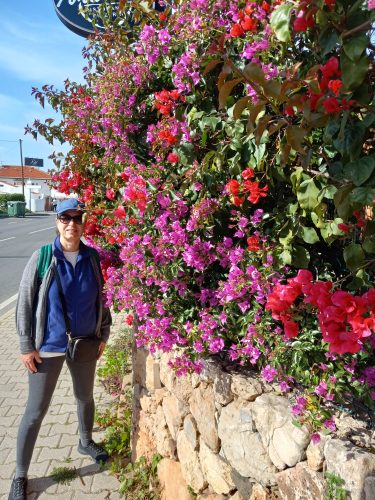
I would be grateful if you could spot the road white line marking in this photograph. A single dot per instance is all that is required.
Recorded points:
(45, 229)
(11, 238)
(12, 222)
(6, 303)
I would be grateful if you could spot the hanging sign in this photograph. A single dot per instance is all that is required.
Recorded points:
(83, 24)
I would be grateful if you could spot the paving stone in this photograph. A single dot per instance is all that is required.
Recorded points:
(104, 481)
(63, 429)
(53, 419)
(53, 453)
(58, 438)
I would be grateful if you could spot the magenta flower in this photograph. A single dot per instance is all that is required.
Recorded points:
(315, 438)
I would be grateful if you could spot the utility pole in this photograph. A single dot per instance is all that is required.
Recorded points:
(23, 178)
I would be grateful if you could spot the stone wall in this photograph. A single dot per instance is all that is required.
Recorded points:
(226, 435)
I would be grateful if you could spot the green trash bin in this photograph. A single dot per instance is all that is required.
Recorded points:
(20, 208)
(16, 208)
(11, 208)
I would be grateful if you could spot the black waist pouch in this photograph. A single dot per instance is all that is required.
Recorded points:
(82, 349)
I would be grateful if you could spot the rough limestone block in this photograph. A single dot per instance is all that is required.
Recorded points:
(217, 472)
(171, 481)
(285, 443)
(190, 465)
(301, 483)
(202, 407)
(174, 412)
(354, 465)
(246, 388)
(242, 445)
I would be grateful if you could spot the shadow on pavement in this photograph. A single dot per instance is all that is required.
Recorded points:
(41, 484)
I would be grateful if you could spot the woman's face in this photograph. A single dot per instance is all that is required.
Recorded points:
(70, 226)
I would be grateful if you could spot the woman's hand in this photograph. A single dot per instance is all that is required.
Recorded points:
(100, 350)
(30, 359)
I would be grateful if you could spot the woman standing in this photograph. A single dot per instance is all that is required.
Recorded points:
(68, 297)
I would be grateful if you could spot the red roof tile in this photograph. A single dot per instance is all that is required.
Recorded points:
(15, 172)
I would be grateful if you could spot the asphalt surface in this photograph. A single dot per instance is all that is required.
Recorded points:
(19, 238)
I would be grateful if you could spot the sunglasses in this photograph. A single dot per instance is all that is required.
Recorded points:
(65, 218)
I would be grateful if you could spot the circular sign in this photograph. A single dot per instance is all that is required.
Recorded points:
(82, 23)
(70, 12)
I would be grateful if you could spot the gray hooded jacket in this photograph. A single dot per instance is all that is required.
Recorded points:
(32, 305)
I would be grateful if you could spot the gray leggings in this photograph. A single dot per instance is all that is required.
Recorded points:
(41, 387)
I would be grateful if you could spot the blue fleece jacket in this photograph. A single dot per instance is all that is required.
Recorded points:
(80, 289)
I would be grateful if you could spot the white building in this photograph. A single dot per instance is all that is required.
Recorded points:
(36, 188)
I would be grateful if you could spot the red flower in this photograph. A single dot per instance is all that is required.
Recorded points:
(330, 3)
(335, 86)
(124, 176)
(249, 24)
(237, 201)
(331, 68)
(236, 31)
(345, 228)
(129, 319)
(266, 6)
(248, 173)
(166, 136)
(110, 194)
(253, 243)
(303, 21)
(107, 221)
(120, 212)
(291, 329)
(232, 187)
(289, 111)
(256, 192)
(331, 105)
(173, 158)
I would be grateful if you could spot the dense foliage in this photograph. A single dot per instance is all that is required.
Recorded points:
(5, 197)
(225, 151)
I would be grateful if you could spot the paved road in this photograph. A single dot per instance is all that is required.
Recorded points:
(19, 238)
(56, 445)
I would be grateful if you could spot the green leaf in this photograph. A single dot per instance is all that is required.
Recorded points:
(363, 195)
(369, 246)
(226, 90)
(354, 256)
(300, 257)
(285, 257)
(342, 201)
(308, 234)
(360, 170)
(355, 46)
(350, 142)
(254, 73)
(240, 106)
(295, 136)
(279, 20)
(353, 72)
(328, 39)
(309, 195)
(186, 154)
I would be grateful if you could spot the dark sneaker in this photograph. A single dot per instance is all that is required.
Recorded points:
(18, 489)
(95, 451)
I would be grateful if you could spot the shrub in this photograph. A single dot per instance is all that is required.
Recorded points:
(224, 148)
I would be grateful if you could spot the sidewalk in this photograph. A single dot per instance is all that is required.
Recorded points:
(57, 442)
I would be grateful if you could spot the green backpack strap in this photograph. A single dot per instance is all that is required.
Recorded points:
(44, 259)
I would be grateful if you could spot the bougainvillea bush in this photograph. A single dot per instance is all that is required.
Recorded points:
(225, 152)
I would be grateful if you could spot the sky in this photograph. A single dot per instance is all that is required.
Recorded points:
(35, 49)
